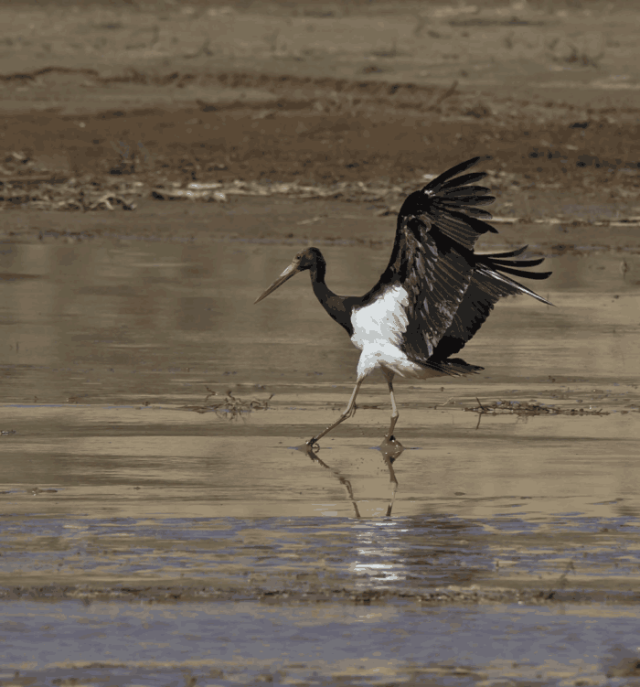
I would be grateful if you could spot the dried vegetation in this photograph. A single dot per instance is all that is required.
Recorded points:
(229, 406)
(526, 409)
(26, 183)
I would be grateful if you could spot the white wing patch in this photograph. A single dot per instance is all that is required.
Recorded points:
(378, 330)
(382, 322)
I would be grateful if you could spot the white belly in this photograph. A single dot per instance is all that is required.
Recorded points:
(378, 330)
(383, 321)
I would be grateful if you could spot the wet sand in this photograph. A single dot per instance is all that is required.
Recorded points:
(159, 166)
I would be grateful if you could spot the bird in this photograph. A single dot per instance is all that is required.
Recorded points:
(435, 293)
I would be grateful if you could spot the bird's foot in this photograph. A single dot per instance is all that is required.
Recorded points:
(391, 447)
(312, 445)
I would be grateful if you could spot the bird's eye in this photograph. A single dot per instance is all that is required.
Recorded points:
(298, 256)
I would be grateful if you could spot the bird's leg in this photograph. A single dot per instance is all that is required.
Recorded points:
(394, 408)
(346, 413)
(394, 412)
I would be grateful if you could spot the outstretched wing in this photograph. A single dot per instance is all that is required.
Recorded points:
(432, 254)
(435, 274)
(450, 291)
(451, 203)
(486, 288)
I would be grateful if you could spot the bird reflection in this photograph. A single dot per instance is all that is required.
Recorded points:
(390, 450)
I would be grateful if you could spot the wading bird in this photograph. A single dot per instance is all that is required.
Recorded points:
(434, 294)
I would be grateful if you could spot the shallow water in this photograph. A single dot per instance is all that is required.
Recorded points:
(232, 643)
(107, 346)
(113, 487)
(254, 557)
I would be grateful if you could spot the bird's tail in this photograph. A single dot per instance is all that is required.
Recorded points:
(454, 367)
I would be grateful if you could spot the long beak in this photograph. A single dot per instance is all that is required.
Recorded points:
(287, 274)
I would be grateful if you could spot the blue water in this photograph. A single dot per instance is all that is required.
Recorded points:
(397, 555)
(154, 644)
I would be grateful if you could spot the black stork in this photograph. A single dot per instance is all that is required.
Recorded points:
(434, 294)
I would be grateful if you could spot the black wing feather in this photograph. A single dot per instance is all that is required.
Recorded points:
(437, 183)
(451, 291)
(435, 272)
(456, 192)
(482, 294)
(487, 287)
(481, 214)
(523, 274)
(463, 180)
(519, 263)
(510, 254)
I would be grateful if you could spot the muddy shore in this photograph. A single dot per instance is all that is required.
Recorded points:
(104, 104)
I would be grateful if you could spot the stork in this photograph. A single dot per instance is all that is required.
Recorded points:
(434, 294)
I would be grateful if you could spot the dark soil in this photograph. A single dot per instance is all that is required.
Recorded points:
(131, 99)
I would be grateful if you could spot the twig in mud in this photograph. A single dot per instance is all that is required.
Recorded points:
(441, 405)
(438, 100)
(229, 406)
(528, 409)
(562, 580)
(421, 21)
(483, 410)
(624, 268)
(204, 49)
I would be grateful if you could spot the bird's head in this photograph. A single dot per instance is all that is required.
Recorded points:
(308, 259)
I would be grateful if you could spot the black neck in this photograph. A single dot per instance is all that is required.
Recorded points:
(323, 293)
(335, 305)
